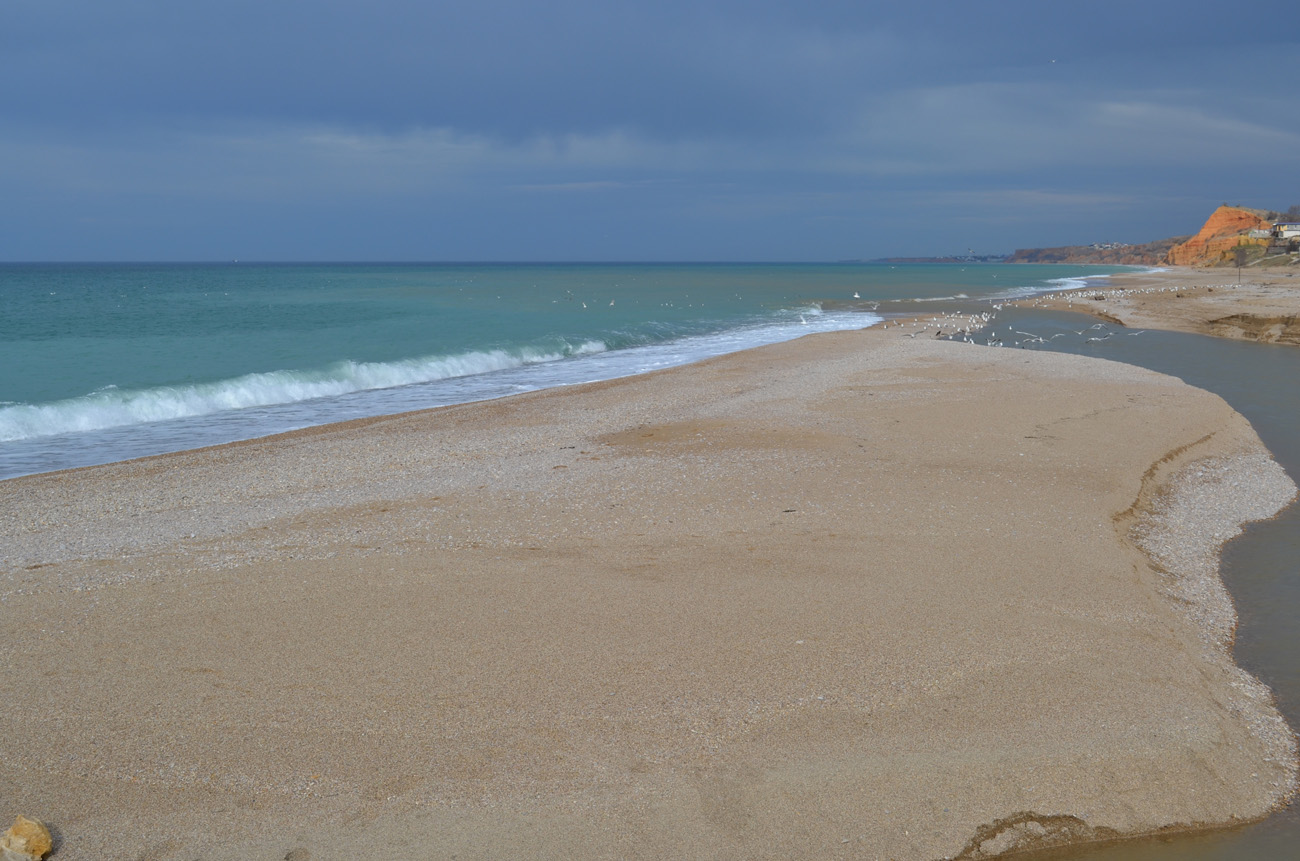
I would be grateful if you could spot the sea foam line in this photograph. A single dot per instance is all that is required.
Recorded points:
(111, 407)
(1053, 285)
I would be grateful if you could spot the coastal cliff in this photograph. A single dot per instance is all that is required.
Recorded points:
(1146, 254)
(1226, 228)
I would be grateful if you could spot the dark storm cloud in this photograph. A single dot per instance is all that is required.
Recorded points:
(520, 68)
(776, 127)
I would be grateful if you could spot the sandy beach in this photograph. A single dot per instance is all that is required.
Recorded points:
(1264, 306)
(857, 595)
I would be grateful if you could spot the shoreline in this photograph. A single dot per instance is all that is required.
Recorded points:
(70, 430)
(1265, 307)
(813, 493)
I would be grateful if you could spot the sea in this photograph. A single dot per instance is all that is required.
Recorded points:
(101, 363)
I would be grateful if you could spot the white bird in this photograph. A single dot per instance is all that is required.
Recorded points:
(855, 295)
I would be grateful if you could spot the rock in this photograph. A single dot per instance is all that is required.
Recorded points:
(1226, 227)
(26, 840)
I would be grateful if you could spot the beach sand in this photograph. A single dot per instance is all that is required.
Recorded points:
(1264, 307)
(857, 595)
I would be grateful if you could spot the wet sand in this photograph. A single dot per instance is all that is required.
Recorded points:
(1264, 306)
(1261, 382)
(855, 595)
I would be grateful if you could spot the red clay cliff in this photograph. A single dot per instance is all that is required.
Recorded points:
(1226, 228)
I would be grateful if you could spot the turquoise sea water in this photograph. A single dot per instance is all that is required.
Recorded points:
(99, 363)
(107, 362)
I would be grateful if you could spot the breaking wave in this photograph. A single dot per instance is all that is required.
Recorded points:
(111, 407)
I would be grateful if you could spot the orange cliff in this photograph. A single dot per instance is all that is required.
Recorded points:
(1227, 227)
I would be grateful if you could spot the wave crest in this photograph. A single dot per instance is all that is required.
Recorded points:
(112, 407)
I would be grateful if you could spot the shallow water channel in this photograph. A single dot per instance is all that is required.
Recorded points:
(1261, 568)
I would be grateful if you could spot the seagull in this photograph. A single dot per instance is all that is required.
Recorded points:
(855, 295)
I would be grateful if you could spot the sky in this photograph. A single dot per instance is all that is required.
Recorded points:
(501, 130)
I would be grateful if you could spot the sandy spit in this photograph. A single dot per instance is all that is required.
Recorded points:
(858, 595)
(1261, 305)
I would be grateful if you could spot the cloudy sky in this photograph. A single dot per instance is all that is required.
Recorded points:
(603, 130)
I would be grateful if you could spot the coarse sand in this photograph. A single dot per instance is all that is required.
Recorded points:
(856, 595)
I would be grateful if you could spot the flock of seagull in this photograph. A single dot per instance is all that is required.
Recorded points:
(964, 328)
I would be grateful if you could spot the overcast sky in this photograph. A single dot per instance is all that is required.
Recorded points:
(574, 130)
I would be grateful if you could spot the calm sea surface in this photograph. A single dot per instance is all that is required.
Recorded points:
(107, 362)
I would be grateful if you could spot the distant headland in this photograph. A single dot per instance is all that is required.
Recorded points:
(1232, 236)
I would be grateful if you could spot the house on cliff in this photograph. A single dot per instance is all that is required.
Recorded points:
(1284, 237)
(1234, 233)
(1216, 242)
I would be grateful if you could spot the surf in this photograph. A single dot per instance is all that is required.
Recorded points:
(111, 407)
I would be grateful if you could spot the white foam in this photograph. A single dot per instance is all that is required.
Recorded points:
(109, 426)
(1073, 283)
(1054, 285)
(110, 407)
